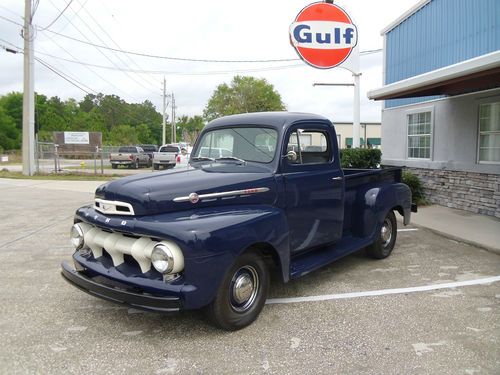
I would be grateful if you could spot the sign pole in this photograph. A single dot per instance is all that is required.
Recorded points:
(164, 111)
(356, 111)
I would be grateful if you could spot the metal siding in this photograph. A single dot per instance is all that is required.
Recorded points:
(442, 33)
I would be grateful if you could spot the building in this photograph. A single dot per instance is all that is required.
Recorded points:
(370, 131)
(441, 113)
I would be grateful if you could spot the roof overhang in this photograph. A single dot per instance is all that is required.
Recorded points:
(477, 74)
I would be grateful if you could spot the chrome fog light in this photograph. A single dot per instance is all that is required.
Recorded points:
(76, 236)
(162, 258)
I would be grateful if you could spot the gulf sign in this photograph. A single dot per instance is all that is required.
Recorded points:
(323, 35)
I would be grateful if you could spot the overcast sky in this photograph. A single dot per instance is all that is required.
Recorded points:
(216, 29)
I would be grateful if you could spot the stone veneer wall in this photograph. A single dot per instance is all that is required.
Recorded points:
(469, 191)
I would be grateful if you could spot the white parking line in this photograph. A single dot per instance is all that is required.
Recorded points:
(408, 230)
(383, 292)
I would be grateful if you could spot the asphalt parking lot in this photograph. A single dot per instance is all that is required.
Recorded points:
(50, 327)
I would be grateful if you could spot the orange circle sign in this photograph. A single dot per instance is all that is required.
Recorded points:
(323, 35)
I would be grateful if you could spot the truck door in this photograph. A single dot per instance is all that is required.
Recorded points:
(314, 186)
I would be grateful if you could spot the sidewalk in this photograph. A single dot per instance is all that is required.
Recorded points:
(477, 230)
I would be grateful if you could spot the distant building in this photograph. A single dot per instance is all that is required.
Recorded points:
(369, 134)
(441, 115)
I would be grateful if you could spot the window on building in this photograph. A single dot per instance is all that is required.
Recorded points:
(419, 135)
(489, 133)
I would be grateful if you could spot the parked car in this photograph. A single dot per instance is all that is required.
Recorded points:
(167, 156)
(130, 156)
(149, 149)
(210, 236)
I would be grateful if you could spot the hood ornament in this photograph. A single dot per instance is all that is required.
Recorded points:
(194, 198)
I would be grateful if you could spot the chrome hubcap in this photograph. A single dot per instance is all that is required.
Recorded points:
(386, 232)
(244, 287)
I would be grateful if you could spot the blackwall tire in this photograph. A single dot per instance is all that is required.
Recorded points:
(386, 239)
(242, 293)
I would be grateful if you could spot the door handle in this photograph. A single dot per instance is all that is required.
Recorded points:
(337, 178)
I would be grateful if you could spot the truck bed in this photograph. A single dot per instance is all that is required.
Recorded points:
(357, 183)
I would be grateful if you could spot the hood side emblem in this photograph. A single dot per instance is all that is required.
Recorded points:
(195, 198)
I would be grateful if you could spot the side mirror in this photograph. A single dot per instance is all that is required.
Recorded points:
(291, 156)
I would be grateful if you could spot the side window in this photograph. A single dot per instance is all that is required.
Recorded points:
(419, 135)
(308, 147)
(489, 133)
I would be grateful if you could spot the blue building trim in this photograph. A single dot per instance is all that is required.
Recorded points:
(441, 33)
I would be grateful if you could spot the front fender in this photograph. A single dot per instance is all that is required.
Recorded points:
(210, 239)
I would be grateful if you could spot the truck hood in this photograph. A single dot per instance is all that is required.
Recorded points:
(154, 193)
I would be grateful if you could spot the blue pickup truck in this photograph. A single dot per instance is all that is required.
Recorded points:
(209, 236)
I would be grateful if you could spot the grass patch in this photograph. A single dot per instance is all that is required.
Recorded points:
(59, 176)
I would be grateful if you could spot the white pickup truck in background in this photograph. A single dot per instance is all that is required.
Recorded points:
(169, 156)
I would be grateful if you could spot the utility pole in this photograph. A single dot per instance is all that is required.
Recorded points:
(164, 111)
(174, 129)
(28, 94)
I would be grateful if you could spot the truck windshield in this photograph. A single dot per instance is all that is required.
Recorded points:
(247, 143)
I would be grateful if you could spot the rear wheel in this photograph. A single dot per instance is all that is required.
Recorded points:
(114, 166)
(383, 245)
(136, 164)
(242, 293)
(156, 166)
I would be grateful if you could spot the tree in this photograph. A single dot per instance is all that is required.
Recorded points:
(243, 95)
(190, 127)
(123, 135)
(10, 136)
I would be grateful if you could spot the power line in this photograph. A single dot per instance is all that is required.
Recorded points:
(95, 73)
(11, 12)
(179, 58)
(60, 14)
(101, 52)
(151, 79)
(116, 44)
(170, 57)
(63, 76)
(11, 21)
(77, 85)
(214, 72)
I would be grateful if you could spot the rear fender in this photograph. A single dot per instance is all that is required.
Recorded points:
(378, 201)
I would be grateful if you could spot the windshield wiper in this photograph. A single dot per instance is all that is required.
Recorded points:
(202, 158)
(232, 158)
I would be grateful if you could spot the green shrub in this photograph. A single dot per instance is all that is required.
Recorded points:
(364, 158)
(415, 185)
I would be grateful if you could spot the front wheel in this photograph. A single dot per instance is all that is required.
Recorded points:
(242, 293)
(386, 239)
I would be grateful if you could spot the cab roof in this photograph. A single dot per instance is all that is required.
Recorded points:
(278, 120)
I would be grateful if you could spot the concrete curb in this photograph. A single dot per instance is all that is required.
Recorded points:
(460, 239)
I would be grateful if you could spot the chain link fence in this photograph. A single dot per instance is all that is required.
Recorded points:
(50, 159)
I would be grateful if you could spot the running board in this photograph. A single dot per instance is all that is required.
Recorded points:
(310, 261)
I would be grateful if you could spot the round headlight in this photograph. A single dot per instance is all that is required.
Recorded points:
(76, 236)
(162, 258)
